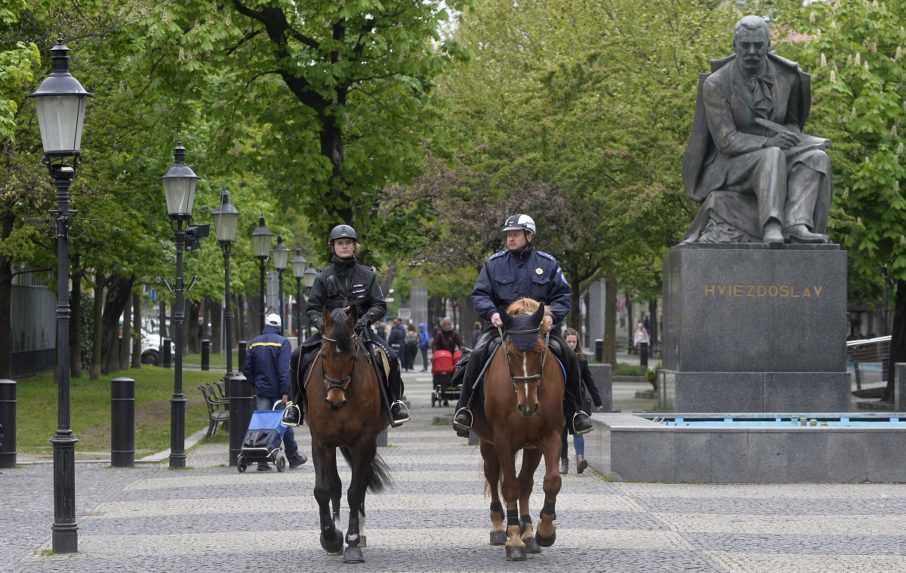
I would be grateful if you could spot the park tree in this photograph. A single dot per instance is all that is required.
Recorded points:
(856, 52)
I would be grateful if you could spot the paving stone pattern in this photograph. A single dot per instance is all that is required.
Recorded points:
(211, 518)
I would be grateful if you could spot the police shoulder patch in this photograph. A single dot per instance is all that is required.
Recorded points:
(497, 255)
(546, 256)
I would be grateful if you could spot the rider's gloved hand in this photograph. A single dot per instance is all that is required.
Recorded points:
(361, 324)
(496, 320)
(318, 324)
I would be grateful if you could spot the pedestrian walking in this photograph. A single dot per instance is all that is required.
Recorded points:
(396, 340)
(267, 367)
(446, 338)
(411, 346)
(591, 391)
(423, 342)
(641, 343)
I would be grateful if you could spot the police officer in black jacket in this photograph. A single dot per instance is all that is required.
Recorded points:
(342, 283)
(520, 271)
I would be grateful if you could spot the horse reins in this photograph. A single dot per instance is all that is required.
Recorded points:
(339, 383)
(526, 378)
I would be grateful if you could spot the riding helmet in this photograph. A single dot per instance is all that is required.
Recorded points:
(342, 232)
(519, 222)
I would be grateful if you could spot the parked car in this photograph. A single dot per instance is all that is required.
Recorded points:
(150, 348)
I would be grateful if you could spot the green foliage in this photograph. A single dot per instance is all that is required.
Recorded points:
(855, 53)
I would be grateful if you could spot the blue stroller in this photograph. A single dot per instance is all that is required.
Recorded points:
(263, 441)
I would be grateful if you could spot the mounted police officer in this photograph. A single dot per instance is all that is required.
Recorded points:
(344, 283)
(520, 271)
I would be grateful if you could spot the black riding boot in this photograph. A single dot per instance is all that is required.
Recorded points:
(399, 412)
(467, 376)
(299, 364)
(576, 417)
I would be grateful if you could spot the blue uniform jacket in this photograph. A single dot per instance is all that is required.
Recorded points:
(267, 364)
(507, 276)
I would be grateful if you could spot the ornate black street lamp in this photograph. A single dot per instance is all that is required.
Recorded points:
(261, 245)
(226, 222)
(308, 280)
(179, 188)
(299, 265)
(60, 101)
(281, 258)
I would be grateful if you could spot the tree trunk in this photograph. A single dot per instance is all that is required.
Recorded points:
(191, 327)
(137, 333)
(119, 293)
(75, 320)
(216, 309)
(239, 318)
(162, 329)
(125, 342)
(652, 320)
(575, 308)
(897, 339)
(610, 321)
(6, 300)
(630, 323)
(98, 327)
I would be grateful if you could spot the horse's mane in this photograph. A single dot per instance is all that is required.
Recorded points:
(341, 332)
(525, 306)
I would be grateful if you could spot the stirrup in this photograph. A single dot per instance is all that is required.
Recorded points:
(394, 422)
(460, 426)
(292, 415)
(573, 422)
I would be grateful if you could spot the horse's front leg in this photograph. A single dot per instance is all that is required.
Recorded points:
(547, 533)
(492, 475)
(515, 548)
(325, 461)
(360, 458)
(530, 460)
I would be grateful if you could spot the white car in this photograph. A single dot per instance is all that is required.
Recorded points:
(150, 348)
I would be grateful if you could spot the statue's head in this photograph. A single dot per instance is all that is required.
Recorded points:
(751, 42)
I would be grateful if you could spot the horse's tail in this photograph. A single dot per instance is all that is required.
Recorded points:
(380, 471)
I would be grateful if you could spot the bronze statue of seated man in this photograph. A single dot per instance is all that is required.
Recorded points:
(757, 175)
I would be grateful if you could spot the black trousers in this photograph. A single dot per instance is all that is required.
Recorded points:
(305, 355)
(467, 374)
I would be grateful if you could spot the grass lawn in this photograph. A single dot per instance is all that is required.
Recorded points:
(218, 361)
(36, 415)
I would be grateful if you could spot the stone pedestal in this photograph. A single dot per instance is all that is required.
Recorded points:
(749, 328)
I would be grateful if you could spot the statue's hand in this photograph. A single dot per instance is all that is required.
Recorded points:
(783, 140)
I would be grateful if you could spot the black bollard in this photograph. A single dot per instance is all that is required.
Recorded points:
(7, 424)
(122, 422)
(243, 350)
(242, 403)
(205, 354)
(167, 353)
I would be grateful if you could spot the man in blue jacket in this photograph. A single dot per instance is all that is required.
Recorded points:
(267, 367)
(516, 272)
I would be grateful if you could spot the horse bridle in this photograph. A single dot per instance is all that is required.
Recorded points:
(339, 383)
(526, 378)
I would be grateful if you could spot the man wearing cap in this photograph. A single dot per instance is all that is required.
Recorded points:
(516, 272)
(267, 367)
(345, 282)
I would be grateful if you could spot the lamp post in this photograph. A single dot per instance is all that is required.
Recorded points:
(60, 102)
(179, 188)
(226, 220)
(299, 264)
(281, 257)
(261, 245)
(309, 280)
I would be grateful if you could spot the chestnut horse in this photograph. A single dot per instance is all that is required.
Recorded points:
(523, 409)
(344, 410)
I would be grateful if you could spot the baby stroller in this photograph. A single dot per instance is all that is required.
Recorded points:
(443, 362)
(263, 441)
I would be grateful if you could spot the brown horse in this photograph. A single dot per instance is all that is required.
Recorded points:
(344, 410)
(523, 409)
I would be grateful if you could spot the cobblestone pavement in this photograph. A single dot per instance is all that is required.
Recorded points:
(211, 518)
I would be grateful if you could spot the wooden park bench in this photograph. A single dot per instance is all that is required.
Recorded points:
(869, 350)
(218, 407)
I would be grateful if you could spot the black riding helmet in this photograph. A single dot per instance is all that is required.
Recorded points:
(342, 232)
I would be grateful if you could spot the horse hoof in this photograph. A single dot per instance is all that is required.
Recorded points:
(353, 555)
(531, 545)
(515, 553)
(546, 541)
(498, 538)
(332, 544)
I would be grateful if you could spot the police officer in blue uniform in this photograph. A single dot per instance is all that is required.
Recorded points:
(520, 271)
(342, 283)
